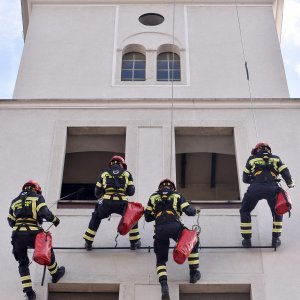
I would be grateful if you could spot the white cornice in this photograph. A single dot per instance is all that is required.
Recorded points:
(176, 104)
(277, 6)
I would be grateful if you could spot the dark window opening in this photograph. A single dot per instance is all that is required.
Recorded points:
(133, 67)
(88, 152)
(168, 67)
(206, 169)
(151, 19)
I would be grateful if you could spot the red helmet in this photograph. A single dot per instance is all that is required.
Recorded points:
(34, 185)
(119, 160)
(262, 145)
(167, 183)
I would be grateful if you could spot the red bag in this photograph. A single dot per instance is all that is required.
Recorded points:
(42, 248)
(283, 202)
(134, 212)
(185, 245)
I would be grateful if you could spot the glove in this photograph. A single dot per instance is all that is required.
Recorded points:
(56, 221)
(292, 185)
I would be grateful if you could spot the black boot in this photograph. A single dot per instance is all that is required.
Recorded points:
(164, 290)
(276, 242)
(88, 245)
(31, 295)
(135, 244)
(246, 243)
(195, 275)
(58, 275)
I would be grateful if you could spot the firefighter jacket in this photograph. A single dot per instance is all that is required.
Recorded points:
(27, 212)
(166, 206)
(265, 167)
(114, 184)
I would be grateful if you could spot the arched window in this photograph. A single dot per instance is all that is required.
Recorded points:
(133, 67)
(168, 67)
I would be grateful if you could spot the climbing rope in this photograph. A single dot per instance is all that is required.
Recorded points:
(247, 71)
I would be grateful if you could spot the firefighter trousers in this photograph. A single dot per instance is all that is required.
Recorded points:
(258, 191)
(22, 240)
(103, 210)
(163, 234)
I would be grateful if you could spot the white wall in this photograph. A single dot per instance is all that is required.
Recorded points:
(75, 51)
(34, 147)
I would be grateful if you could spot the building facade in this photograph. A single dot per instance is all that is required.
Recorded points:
(183, 89)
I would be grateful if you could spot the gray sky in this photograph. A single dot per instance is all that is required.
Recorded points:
(11, 45)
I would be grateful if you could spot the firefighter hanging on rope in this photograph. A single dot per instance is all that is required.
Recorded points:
(112, 188)
(261, 172)
(26, 213)
(165, 206)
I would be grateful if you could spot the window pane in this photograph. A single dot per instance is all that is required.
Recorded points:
(139, 75)
(162, 65)
(162, 75)
(126, 75)
(139, 64)
(127, 64)
(175, 65)
(176, 75)
(139, 56)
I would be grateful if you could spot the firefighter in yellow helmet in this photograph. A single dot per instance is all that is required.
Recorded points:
(26, 213)
(165, 206)
(113, 187)
(261, 172)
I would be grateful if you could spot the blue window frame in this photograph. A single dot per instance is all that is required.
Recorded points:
(168, 67)
(133, 67)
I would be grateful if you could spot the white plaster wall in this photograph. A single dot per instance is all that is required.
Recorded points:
(34, 147)
(75, 51)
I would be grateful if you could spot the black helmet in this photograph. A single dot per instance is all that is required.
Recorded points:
(167, 183)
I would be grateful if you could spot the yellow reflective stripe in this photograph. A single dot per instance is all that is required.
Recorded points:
(257, 173)
(193, 255)
(91, 231)
(277, 223)
(134, 230)
(25, 285)
(88, 238)
(133, 238)
(193, 262)
(183, 205)
(27, 277)
(161, 268)
(11, 217)
(52, 266)
(54, 271)
(16, 203)
(277, 230)
(246, 225)
(23, 228)
(282, 168)
(33, 207)
(32, 198)
(247, 171)
(149, 208)
(246, 231)
(130, 182)
(161, 274)
(40, 206)
(104, 180)
(98, 184)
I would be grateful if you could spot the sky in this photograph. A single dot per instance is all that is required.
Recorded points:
(11, 45)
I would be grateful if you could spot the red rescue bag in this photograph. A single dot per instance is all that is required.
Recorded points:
(185, 245)
(283, 202)
(133, 213)
(42, 248)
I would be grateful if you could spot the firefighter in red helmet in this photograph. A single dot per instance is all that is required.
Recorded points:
(26, 214)
(261, 172)
(113, 187)
(165, 206)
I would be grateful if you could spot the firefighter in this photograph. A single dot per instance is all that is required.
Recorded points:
(261, 172)
(26, 214)
(112, 188)
(165, 206)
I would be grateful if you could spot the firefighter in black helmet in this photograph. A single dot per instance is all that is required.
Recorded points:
(112, 188)
(26, 213)
(261, 172)
(165, 206)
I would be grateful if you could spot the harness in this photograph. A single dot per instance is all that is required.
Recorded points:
(264, 172)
